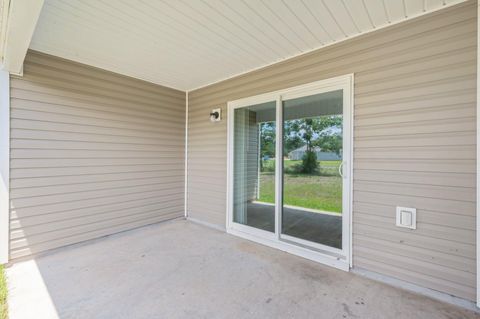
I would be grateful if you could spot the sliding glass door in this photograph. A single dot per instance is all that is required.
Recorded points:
(289, 168)
(312, 163)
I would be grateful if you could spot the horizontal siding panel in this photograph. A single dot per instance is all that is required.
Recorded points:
(426, 217)
(160, 195)
(415, 240)
(213, 186)
(41, 70)
(432, 114)
(152, 121)
(422, 152)
(86, 129)
(426, 178)
(454, 207)
(110, 77)
(81, 145)
(66, 119)
(67, 171)
(417, 127)
(415, 143)
(37, 201)
(441, 99)
(21, 221)
(434, 231)
(423, 165)
(438, 63)
(428, 191)
(120, 108)
(455, 263)
(48, 229)
(92, 153)
(85, 162)
(73, 188)
(168, 138)
(444, 85)
(439, 139)
(457, 277)
(69, 86)
(378, 265)
(424, 78)
(31, 87)
(82, 179)
(23, 249)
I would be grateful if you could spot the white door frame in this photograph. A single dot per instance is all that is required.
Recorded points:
(339, 258)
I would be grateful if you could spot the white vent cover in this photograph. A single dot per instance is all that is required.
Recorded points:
(406, 217)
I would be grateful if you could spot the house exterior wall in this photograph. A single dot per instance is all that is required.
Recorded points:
(92, 153)
(414, 144)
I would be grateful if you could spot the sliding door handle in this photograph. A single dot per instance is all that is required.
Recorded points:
(340, 169)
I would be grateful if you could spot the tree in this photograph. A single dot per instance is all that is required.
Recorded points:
(329, 133)
(267, 141)
(324, 132)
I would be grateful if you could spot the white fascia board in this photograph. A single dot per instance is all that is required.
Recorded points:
(22, 18)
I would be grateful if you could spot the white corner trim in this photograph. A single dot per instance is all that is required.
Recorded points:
(478, 158)
(4, 165)
(352, 149)
(186, 155)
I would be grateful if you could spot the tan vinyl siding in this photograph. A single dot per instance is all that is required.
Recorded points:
(92, 153)
(415, 135)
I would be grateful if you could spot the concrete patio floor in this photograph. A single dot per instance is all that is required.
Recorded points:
(179, 269)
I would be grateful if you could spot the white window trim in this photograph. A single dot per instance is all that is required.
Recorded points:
(4, 166)
(341, 259)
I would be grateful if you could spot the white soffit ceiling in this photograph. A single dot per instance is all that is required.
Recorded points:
(192, 43)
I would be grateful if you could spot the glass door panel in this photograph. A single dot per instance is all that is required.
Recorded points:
(312, 168)
(254, 143)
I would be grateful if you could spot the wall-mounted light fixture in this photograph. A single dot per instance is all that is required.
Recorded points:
(215, 115)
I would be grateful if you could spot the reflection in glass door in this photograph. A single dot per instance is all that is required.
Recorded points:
(254, 166)
(312, 164)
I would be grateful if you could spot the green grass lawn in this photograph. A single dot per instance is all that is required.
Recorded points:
(322, 191)
(3, 295)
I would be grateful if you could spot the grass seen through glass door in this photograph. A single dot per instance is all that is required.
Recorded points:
(320, 191)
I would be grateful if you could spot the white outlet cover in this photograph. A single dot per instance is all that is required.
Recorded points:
(406, 217)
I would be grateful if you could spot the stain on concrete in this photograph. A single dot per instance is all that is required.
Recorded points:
(347, 310)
